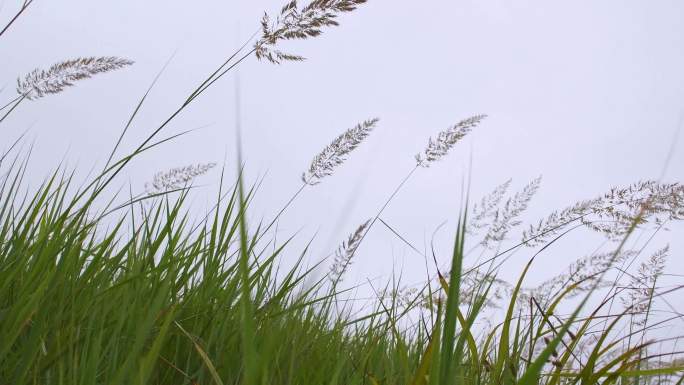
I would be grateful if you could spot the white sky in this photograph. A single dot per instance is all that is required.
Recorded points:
(588, 94)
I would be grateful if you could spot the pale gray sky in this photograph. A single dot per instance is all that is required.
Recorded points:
(588, 94)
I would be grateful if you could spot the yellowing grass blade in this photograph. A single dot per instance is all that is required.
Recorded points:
(203, 356)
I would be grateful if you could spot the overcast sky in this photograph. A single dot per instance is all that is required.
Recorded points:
(587, 94)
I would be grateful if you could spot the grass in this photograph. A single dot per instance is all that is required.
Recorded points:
(151, 299)
(143, 292)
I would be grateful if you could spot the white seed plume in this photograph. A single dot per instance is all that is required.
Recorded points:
(334, 154)
(39, 83)
(177, 178)
(439, 147)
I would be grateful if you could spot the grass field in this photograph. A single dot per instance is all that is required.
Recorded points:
(95, 291)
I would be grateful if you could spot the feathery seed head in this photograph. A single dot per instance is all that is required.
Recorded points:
(506, 218)
(439, 147)
(335, 153)
(643, 284)
(613, 213)
(584, 272)
(39, 83)
(344, 254)
(294, 23)
(176, 178)
(483, 211)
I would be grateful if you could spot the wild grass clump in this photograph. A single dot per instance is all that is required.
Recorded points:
(153, 299)
(143, 292)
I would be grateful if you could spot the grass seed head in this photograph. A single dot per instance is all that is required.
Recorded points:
(294, 23)
(439, 147)
(177, 177)
(335, 153)
(39, 82)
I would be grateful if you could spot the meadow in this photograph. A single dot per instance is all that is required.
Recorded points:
(99, 286)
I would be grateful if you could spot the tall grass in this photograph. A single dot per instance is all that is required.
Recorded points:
(147, 299)
(143, 292)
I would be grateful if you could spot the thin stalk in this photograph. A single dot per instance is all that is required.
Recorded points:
(10, 102)
(23, 9)
(375, 218)
(16, 104)
(282, 210)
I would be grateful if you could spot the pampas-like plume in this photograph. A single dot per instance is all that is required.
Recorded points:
(345, 252)
(438, 148)
(294, 23)
(614, 213)
(333, 155)
(39, 83)
(177, 178)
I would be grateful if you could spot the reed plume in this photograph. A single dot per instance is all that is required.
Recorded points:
(39, 82)
(614, 213)
(472, 290)
(642, 285)
(585, 272)
(344, 253)
(439, 147)
(473, 283)
(294, 23)
(177, 178)
(335, 153)
(483, 211)
(505, 219)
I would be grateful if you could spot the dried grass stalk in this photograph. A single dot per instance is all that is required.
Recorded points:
(439, 147)
(177, 178)
(294, 23)
(39, 83)
(344, 254)
(335, 153)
